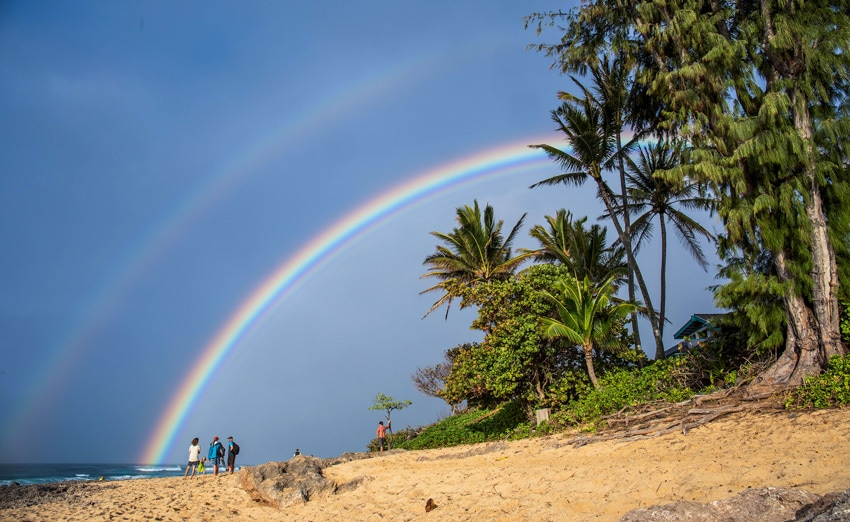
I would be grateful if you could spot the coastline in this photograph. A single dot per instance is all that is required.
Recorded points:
(542, 479)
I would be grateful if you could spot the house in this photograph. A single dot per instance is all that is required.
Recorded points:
(698, 328)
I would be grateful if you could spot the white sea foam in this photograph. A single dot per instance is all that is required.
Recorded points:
(154, 469)
(42, 473)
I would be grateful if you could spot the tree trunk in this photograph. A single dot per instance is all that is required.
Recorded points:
(627, 228)
(662, 301)
(802, 355)
(650, 311)
(588, 361)
(824, 271)
(813, 333)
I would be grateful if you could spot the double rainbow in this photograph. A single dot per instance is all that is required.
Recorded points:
(503, 160)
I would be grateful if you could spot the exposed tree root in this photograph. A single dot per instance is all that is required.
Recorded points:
(659, 418)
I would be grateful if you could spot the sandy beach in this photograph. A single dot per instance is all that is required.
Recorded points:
(537, 479)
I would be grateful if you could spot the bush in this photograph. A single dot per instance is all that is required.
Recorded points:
(831, 388)
(469, 428)
(395, 439)
(657, 381)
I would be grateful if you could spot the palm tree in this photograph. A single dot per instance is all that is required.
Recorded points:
(587, 314)
(593, 141)
(473, 252)
(653, 196)
(585, 252)
(623, 101)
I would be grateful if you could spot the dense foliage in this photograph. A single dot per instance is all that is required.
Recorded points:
(515, 361)
(829, 389)
(748, 110)
(661, 381)
(473, 426)
(760, 96)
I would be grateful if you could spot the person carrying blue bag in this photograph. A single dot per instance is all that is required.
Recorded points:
(215, 454)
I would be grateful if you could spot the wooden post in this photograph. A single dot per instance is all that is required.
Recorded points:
(542, 415)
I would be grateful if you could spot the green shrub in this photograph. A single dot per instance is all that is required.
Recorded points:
(657, 381)
(470, 427)
(831, 388)
(395, 439)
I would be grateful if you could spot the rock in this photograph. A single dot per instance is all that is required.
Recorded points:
(16, 495)
(296, 481)
(763, 504)
(430, 505)
(282, 484)
(832, 507)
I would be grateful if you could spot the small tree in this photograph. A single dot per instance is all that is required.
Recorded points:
(386, 403)
(587, 314)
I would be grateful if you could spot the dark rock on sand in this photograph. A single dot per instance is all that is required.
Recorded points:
(832, 507)
(70, 492)
(763, 504)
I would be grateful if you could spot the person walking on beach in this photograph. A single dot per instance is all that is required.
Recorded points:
(381, 433)
(215, 454)
(232, 451)
(194, 457)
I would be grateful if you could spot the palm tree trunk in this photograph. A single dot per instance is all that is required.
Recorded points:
(588, 361)
(630, 256)
(627, 227)
(662, 305)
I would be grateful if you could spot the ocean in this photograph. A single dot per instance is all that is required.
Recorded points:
(42, 473)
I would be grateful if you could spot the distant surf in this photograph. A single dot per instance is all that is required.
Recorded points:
(24, 474)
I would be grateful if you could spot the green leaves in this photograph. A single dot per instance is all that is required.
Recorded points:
(388, 404)
(472, 253)
(830, 389)
(470, 427)
(585, 315)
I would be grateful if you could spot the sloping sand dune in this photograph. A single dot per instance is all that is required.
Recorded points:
(538, 479)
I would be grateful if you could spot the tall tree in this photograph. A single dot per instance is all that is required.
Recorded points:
(586, 315)
(653, 196)
(594, 151)
(760, 91)
(473, 252)
(623, 104)
(585, 252)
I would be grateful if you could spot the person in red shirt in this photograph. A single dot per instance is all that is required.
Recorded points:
(381, 433)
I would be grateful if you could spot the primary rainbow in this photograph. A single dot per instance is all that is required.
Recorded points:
(502, 160)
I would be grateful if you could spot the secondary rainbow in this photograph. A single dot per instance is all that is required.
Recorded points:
(502, 160)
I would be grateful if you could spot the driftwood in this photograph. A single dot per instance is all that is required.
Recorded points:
(660, 418)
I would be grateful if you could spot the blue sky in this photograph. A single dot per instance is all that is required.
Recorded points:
(162, 159)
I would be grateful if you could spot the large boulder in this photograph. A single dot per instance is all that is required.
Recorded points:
(296, 481)
(763, 504)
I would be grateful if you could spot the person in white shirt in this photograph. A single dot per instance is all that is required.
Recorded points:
(194, 457)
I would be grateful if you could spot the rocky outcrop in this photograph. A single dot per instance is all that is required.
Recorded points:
(70, 492)
(763, 504)
(298, 480)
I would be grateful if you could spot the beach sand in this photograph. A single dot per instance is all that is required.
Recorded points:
(535, 479)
